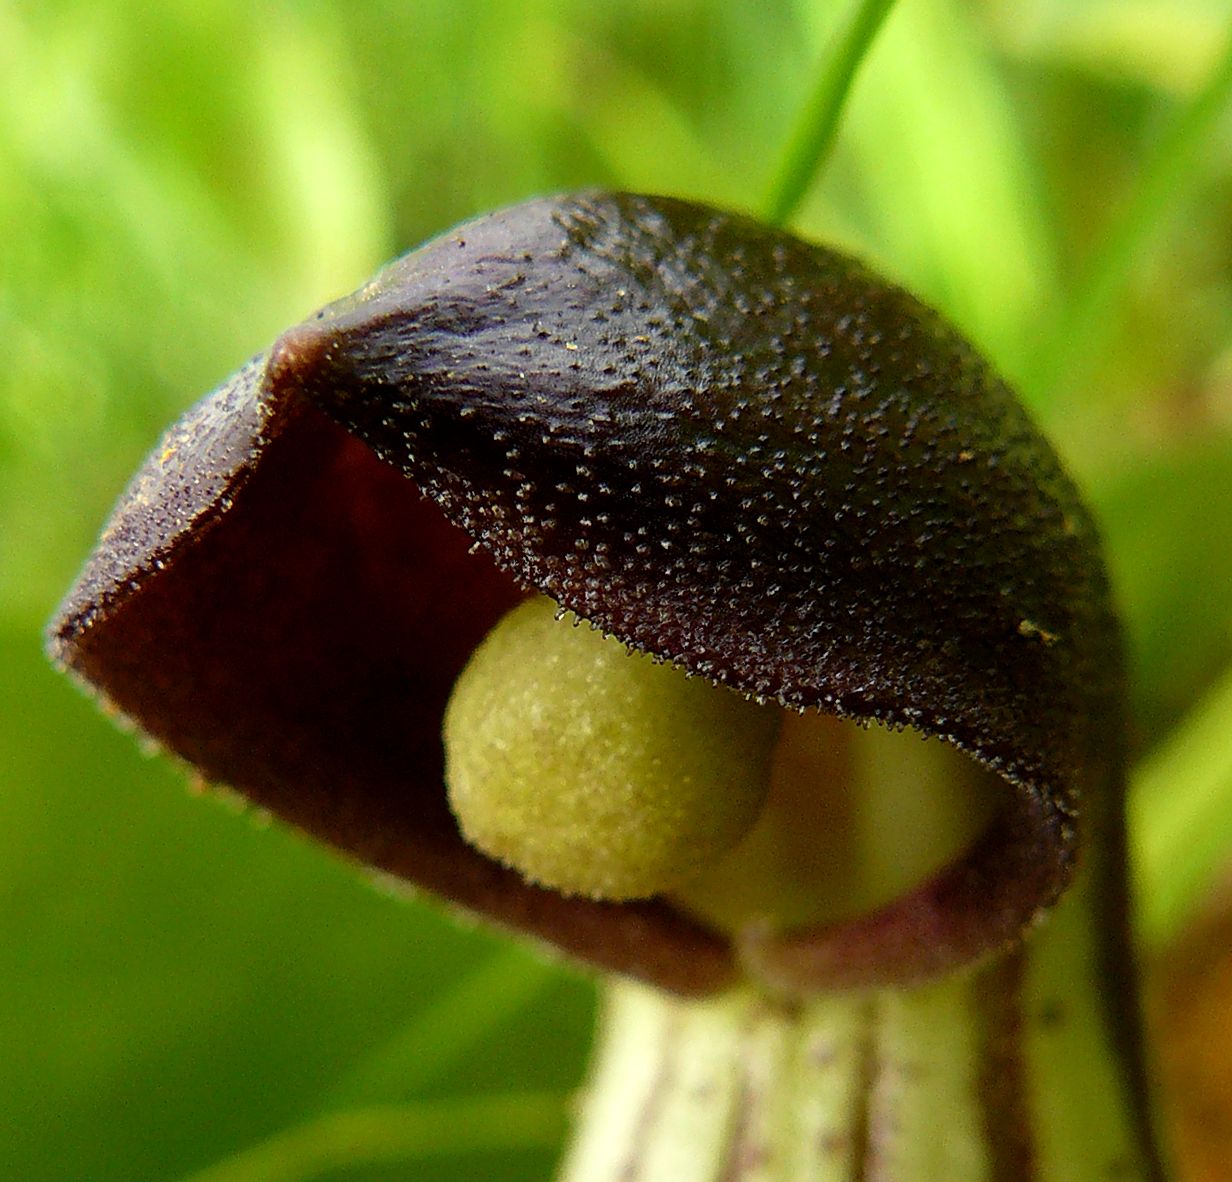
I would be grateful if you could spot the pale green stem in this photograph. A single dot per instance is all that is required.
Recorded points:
(813, 135)
(1082, 323)
(1012, 1073)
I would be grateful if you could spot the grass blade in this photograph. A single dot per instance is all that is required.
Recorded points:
(449, 1027)
(380, 1136)
(814, 133)
(1080, 328)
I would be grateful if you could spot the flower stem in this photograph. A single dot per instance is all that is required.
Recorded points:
(814, 133)
(1012, 1073)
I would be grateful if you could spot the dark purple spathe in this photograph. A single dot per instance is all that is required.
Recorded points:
(725, 446)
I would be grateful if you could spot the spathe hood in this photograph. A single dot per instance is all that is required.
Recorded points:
(741, 452)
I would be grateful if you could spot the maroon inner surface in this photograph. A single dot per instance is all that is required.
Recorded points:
(300, 646)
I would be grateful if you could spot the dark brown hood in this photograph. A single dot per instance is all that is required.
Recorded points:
(723, 445)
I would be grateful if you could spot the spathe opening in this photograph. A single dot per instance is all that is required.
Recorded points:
(296, 636)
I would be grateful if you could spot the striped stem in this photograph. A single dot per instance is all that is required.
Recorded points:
(1016, 1072)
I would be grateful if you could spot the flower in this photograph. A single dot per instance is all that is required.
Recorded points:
(742, 453)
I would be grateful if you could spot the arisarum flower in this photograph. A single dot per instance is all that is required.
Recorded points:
(743, 455)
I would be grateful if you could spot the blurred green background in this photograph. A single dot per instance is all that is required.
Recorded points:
(181, 180)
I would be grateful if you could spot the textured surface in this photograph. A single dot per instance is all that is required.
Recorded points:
(722, 445)
(595, 771)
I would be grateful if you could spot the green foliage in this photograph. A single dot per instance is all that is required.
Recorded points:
(180, 181)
